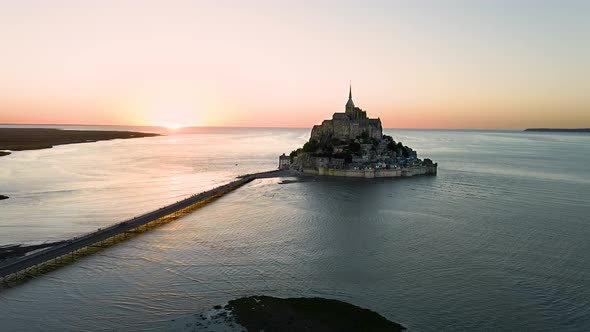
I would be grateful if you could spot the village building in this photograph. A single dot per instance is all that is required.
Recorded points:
(284, 161)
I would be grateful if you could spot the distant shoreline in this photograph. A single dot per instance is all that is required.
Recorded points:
(560, 130)
(20, 139)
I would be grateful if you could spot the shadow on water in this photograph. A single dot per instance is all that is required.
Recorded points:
(356, 211)
(362, 195)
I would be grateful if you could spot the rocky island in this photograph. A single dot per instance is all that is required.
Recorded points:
(353, 145)
(267, 313)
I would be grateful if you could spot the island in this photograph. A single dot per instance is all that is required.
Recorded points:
(560, 130)
(353, 145)
(267, 313)
(19, 139)
(3, 197)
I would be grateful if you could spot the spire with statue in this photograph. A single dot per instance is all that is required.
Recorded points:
(350, 103)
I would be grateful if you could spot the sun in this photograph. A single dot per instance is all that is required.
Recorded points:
(173, 126)
(173, 115)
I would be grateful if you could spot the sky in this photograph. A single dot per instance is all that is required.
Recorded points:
(461, 64)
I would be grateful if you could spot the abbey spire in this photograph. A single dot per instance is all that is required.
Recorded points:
(350, 103)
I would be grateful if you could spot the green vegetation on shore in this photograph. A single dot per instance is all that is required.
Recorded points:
(18, 139)
(258, 313)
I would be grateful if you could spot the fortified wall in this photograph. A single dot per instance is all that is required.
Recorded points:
(376, 173)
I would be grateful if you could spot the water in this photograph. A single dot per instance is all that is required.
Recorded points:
(497, 241)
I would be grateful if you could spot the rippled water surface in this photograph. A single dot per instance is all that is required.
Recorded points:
(499, 240)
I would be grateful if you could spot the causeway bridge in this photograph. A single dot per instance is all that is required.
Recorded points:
(11, 267)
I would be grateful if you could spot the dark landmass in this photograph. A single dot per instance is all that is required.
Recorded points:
(301, 179)
(560, 130)
(17, 250)
(18, 139)
(4, 153)
(257, 313)
(3, 197)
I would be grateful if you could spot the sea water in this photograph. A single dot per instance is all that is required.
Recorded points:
(499, 240)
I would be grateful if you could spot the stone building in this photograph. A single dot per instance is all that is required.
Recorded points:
(348, 125)
(284, 161)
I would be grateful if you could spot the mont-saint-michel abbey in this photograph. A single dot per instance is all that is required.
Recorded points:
(353, 145)
(350, 124)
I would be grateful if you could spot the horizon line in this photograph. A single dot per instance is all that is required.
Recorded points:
(263, 127)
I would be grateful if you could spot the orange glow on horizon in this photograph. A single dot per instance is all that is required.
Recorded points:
(393, 114)
(289, 65)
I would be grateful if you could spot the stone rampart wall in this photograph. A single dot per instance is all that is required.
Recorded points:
(376, 173)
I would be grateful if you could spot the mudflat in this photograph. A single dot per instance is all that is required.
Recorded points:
(257, 313)
(18, 139)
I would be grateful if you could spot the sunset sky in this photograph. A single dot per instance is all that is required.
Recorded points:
(415, 64)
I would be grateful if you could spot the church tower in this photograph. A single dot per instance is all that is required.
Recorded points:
(351, 111)
(348, 125)
(349, 104)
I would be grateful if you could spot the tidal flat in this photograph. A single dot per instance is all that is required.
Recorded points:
(267, 313)
(19, 139)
